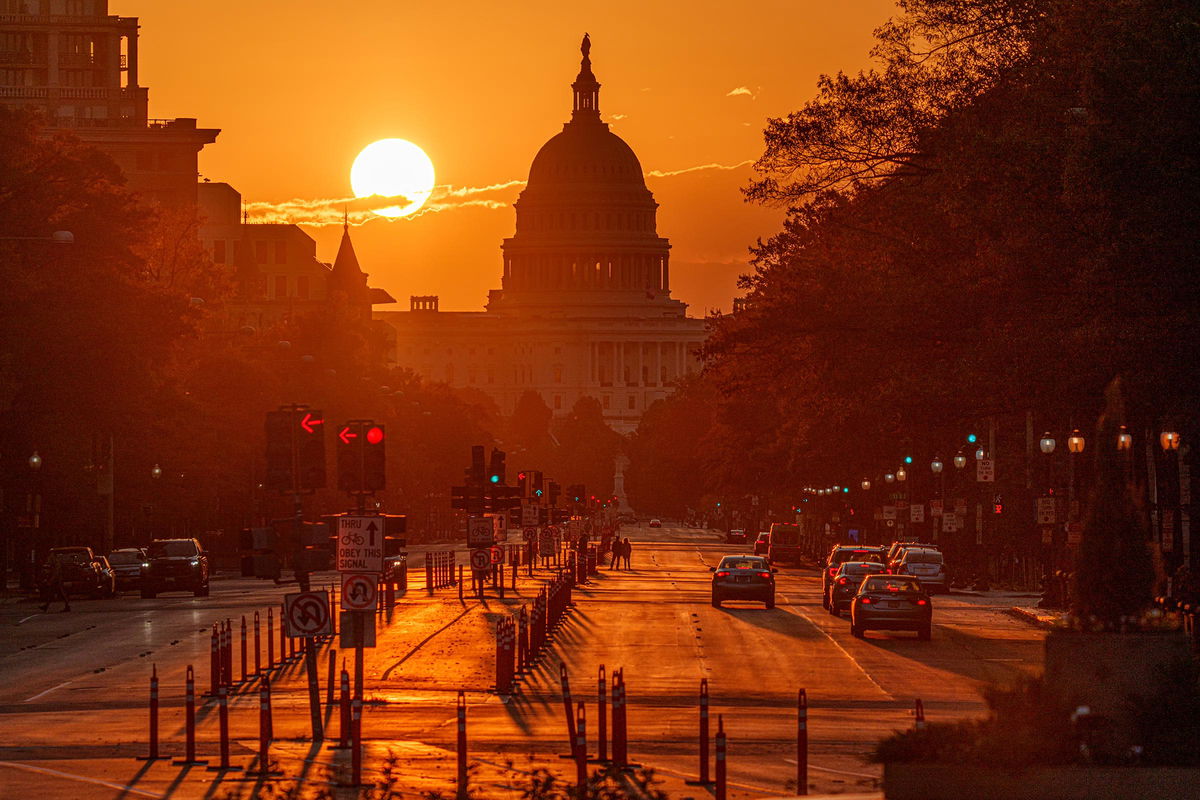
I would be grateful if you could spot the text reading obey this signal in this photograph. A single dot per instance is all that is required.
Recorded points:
(360, 544)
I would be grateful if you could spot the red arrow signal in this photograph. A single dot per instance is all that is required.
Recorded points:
(346, 435)
(309, 421)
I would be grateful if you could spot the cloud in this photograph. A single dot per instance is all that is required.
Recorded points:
(658, 173)
(357, 210)
(617, 117)
(739, 91)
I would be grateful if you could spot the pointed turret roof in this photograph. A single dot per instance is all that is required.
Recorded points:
(347, 275)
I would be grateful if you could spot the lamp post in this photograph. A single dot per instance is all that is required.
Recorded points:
(31, 521)
(1169, 440)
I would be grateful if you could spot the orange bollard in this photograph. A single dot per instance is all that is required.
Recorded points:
(462, 747)
(581, 758)
(721, 766)
(214, 661)
(602, 714)
(704, 730)
(153, 754)
(223, 718)
(243, 648)
(257, 647)
(189, 757)
(920, 712)
(270, 640)
(802, 743)
(266, 731)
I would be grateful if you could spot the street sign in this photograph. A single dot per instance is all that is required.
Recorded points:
(916, 512)
(889, 512)
(936, 507)
(1045, 511)
(481, 559)
(500, 531)
(306, 614)
(1047, 535)
(985, 470)
(356, 629)
(360, 544)
(1074, 533)
(546, 544)
(529, 534)
(479, 532)
(497, 554)
(960, 506)
(950, 523)
(530, 515)
(553, 530)
(359, 591)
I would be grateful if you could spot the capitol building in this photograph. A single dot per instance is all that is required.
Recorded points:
(585, 305)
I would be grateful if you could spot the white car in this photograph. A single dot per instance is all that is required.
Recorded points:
(656, 523)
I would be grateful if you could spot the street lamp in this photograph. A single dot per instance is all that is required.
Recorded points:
(960, 460)
(901, 475)
(1047, 443)
(1076, 442)
(866, 485)
(1169, 440)
(156, 472)
(35, 461)
(1124, 439)
(936, 465)
(889, 478)
(980, 454)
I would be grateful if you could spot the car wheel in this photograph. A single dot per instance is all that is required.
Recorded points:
(834, 609)
(926, 633)
(825, 601)
(856, 631)
(770, 602)
(201, 591)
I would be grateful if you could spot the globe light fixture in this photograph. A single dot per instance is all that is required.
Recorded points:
(936, 465)
(960, 460)
(980, 454)
(156, 472)
(1124, 439)
(1169, 440)
(1076, 442)
(35, 461)
(1047, 443)
(866, 485)
(901, 475)
(889, 478)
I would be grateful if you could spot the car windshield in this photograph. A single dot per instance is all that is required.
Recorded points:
(860, 567)
(764, 537)
(72, 556)
(128, 557)
(180, 547)
(890, 583)
(926, 557)
(840, 556)
(743, 563)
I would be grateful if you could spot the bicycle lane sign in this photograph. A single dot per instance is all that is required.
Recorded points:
(360, 544)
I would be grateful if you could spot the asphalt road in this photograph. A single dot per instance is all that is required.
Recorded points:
(73, 686)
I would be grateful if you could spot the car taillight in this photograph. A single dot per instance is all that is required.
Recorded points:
(764, 575)
(866, 600)
(832, 571)
(722, 574)
(921, 601)
(841, 581)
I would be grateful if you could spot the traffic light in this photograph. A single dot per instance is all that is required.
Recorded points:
(348, 446)
(476, 475)
(553, 491)
(374, 460)
(310, 450)
(496, 470)
(279, 451)
(537, 485)
(998, 505)
(576, 492)
(523, 483)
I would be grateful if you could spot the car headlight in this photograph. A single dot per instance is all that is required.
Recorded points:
(145, 565)
(195, 562)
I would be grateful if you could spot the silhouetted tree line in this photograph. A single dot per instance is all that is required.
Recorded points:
(1000, 216)
(117, 349)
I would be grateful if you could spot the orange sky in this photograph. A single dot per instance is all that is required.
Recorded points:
(298, 87)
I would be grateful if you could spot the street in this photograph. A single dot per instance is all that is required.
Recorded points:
(73, 686)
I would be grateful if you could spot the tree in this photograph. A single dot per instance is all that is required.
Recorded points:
(587, 448)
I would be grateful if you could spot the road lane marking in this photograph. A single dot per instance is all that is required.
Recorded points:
(834, 771)
(48, 691)
(845, 652)
(31, 616)
(81, 778)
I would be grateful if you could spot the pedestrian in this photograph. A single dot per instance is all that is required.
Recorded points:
(55, 585)
(616, 555)
(626, 552)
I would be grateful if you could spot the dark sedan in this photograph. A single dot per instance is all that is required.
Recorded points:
(891, 603)
(743, 578)
(844, 585)
(127, 564)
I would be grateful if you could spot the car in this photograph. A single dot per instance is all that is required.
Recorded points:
(743, 578)
(784, 547)
(838, 555)
(892, 603)
(926, 565)
(845, 583)
(735, 536)
(656, 523)
(175, 565)
(763, 543)
(895, 549)
(127, 566)
(83, 572)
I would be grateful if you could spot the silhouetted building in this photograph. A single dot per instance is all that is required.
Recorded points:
(78, 65)
(275, 266)
(585, 306)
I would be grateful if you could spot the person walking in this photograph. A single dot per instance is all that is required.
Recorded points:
(55, 585)
(626, 551)
(616, 555)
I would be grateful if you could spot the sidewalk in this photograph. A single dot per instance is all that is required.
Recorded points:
(1021, 605)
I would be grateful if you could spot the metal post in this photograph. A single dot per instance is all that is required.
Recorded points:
(704, 730)
(329, 697)
(802, 743)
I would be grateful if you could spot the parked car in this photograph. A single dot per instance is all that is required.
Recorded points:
(839, 555)
(83, 572)
(763, 543)
(175, 565)
(785, 543)
(743, 578)
(924, 564)
(655, 523)
(127, 566)
(845, 583)
(893, 603)
(735, 536)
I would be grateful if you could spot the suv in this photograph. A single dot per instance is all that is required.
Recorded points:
(785, 543)
(176, 565)
(926, 565)
(896, 550)
(82, 571)
(841, 554)
(127, 566)
(735, 536)
(762, 544)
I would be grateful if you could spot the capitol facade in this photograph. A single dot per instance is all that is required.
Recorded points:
(585, 305)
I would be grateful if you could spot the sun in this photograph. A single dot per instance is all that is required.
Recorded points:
(393, 168)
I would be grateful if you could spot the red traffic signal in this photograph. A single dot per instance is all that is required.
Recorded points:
(375, 435)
